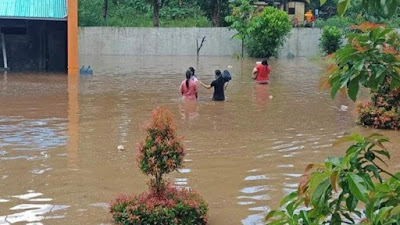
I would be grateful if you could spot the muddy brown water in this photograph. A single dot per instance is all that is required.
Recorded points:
(59, 162)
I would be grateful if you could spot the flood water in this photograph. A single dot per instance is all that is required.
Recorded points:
(59, 162)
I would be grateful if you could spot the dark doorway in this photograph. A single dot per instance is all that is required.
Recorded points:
(35, 45)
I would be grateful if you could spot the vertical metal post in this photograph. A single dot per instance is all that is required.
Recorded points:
(3, 47)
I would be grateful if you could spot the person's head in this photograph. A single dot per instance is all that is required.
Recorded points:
(264, 62)
(192, 70)
(217, 73)
(188, 76)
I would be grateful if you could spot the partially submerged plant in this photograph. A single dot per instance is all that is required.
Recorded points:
(370, 59)
(345, 190)
(159, 154)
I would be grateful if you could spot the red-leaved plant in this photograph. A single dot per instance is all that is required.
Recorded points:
(159, 154)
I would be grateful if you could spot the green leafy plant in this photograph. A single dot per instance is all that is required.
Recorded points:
(342, 23)
(345, 190)
(331, 40)
(267, 32)
(369, 59)
(242, 12)
(159, 154)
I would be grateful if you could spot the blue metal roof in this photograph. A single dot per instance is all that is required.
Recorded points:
(34, 9)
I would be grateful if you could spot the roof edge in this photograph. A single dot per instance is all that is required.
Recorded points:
(33, 18)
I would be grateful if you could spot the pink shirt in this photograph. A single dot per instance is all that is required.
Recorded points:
(189, 92)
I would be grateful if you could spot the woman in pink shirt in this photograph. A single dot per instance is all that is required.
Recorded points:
(189, 87)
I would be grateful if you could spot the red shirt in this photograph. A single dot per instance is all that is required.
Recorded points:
(263, 73)
(189, 92)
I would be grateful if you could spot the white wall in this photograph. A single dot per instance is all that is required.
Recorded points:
(182, 41)
(156, 41)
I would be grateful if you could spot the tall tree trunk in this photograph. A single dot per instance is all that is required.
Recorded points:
(285, 5)
(156, 13)
(215, 18)
(105, 9)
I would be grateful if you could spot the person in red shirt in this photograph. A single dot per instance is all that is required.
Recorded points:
(189, 87)
(312, 21)
(261, 72)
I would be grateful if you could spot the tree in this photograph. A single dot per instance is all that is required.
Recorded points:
(105, 7)
(267, 32)
(331, 39)
(242, 12)
(157, 5)
(216, 10)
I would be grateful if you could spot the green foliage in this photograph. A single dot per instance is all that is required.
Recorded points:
(378, 9)
(369, 59)
(242, 12)
(331, 39)
(345, 190)
(215, 10)
(267, 32)
(138, 13)
(342, 23)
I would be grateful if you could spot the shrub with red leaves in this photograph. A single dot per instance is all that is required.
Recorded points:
(382, 111)
(159, 154)
(173, 207)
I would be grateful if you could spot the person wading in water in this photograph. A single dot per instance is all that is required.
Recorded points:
(261, 72)
(188, 87)
(219, 85)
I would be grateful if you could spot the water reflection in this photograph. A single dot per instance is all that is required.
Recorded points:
(33, 209)
(188, 109)
(261, 95)
(25, 134)
(73, 120)
(243, 154)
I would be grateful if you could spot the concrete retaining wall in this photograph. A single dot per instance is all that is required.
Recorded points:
(182, 41)
(303, 42)
(156, 41)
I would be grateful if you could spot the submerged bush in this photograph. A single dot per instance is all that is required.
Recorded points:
(382, 111)
(171, 207)
(331, 39)
(380, 118)
(159, 154)
(267, 33)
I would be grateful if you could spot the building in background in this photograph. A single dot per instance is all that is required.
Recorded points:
(34, 35)
(295, 9)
